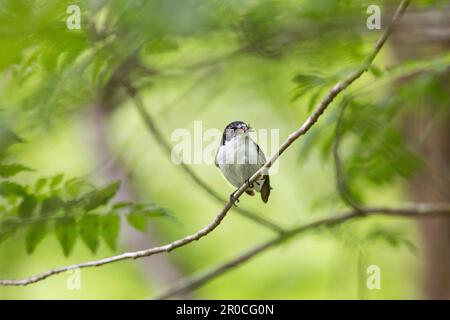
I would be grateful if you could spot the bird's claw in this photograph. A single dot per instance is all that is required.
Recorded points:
(250, 184)
(232, 198)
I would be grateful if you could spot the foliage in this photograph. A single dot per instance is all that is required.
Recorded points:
(281, 54)
(87, 60)
(71, 208)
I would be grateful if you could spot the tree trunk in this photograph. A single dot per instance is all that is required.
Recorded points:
(159, 269)
(431, 126)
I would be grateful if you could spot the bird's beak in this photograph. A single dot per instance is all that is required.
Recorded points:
(250, 129)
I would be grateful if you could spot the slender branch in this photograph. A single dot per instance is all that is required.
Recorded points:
(127, 255)
(196, 281)
(159, 137)
(320, 108)
(341, 181)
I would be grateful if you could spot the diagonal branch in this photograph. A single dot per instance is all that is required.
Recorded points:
(196, 281)
(320, 108)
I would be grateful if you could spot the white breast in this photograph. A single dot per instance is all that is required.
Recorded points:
(238, 160)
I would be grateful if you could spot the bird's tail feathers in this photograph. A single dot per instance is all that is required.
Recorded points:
(265, 190)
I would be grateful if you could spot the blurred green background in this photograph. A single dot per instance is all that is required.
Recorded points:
(263, 62)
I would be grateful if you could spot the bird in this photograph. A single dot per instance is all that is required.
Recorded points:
(239, 157)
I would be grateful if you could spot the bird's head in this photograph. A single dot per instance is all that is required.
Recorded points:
(235, 129)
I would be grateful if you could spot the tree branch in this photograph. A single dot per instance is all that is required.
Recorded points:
(320, 108)
(341, 181)
(196, 281)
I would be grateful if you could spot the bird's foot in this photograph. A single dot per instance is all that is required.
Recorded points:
(232, 198)
(250, 184)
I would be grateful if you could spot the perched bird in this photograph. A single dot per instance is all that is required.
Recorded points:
(239, 157)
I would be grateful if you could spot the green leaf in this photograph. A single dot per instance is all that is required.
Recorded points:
(161, 45)
(394, 238)
(313, 99)
(376, 71)
(74, 187)
(56, 180)
(51, 205)
(66, 233)
(89, 231)
(110, 225)
(139, 215)
(97, 198)
(307, 82)
(307, 79)
(138, 221)
(27, 206)
(122, 204)
(40, 184)
(9, 170)
(8, 188)
(8, 228)
(152, 211)
(35, 234)
(7, 137)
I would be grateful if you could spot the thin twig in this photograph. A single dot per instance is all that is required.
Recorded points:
(341, 181)
(320, 108)
(196, 281)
